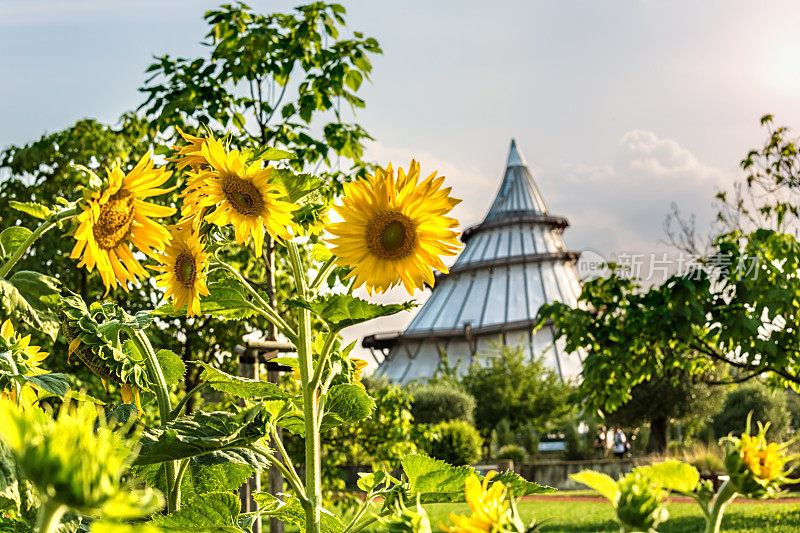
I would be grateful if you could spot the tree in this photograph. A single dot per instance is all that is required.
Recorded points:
(728, 320)
(667, 398)
(758, 402)
(297, 60)
(277, 79)
(506, 386)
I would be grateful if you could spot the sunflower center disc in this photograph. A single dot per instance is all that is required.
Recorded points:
(243, 195)
(114, 222)
(391, 235)
(185, 270)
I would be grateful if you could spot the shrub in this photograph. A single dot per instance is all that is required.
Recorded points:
(707, 459)
(530, 440)
(577, 446)
(502, 434)
(513, 452)
(440, 403)
(456, 442)
(766, 406)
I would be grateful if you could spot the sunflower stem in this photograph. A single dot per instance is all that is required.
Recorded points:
(324, 270)
(724, 495)
(157, 380)
(312, 438)
(323, 359)
(33, 237)
(50, 516)
(267, 310)
(293, 480)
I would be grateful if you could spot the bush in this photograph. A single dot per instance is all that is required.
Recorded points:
(530, 440)
(766, 406)
(456, 442)
(577, 446)
(502, 435)
(707, 459)
(440, 403)
(513, 452)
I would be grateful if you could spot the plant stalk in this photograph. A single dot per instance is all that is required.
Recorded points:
(312, 437)
(158, 381)
(50, 517)
(725, 494)
(32, 238)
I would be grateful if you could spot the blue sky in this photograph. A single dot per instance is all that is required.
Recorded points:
(620, 107)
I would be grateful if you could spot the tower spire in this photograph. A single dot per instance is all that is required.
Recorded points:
(518, 192)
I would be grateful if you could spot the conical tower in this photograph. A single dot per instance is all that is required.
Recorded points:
(512, 263)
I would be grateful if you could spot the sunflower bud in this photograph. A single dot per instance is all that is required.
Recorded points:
(640, 506)
(757, 468)
(407, 521)
(90, 343)
(72, 460)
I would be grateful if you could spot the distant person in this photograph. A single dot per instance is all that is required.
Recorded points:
(600, 442)
(620, 443)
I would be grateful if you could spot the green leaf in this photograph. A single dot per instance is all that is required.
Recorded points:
(675, 475)
(171, 365)
(202, 433)
(133, 504)
(226, 300)
(602, 483)
(215, 512)
(348, 403)
(105, 526)
(41, 292)
(241, 387)
(56, 384)
(272, 154)
(32, 208)
(343, 310)
(289, 511)
(436, 481)
(13, 304)
(297, 186)
(12, 238)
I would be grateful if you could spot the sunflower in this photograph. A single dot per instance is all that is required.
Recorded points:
(765, 460)
(395, 229)
(117, 216)
(190, 154)
(26, 360)
(490, 509)
(240, 194)
(184, 270)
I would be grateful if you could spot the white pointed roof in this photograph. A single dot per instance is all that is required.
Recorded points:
(518, 192)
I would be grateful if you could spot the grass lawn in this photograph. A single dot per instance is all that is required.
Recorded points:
(574, 517)
(558, 515)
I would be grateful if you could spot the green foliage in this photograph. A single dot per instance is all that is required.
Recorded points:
(577, 446)
(241, 387)
(291, 512)
(434, 480)
(456, 442)
(213, 511)
(441, 402)
(638, 498)
(508, 386)
(340, 311)
(514, 452)
(273, 99)
(202, 433)
(755, 398)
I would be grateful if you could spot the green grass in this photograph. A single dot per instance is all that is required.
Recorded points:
(576, 517)
(559, 516)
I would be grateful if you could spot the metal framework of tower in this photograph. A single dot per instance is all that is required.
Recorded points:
(512, 263)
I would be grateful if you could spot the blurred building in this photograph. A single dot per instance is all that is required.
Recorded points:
(512, 263)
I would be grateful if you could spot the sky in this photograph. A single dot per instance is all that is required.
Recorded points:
(620, 107)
